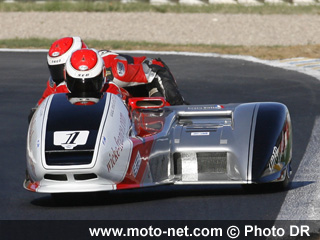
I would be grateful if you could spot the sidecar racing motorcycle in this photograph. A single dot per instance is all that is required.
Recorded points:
(114, 145)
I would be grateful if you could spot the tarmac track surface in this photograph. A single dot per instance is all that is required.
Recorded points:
(202, 80)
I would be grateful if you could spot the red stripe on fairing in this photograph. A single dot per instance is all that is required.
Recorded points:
(143, 146)
(32, 186)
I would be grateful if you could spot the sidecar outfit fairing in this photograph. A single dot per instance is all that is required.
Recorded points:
(110, 145)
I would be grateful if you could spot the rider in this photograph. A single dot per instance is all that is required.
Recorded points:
(57, 56)
(85, 78)
(130, 72)
(136, 74)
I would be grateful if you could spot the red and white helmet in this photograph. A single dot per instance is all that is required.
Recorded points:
(85, 73)
(58, 54)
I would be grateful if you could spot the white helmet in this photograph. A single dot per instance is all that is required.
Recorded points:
(58, 54)
(85, 73)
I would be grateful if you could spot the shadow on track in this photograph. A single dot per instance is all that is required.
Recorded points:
(151, 194)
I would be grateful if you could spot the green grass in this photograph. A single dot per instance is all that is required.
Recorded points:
(262, 52)
(272, 52)
(46, 43)
(26, 43)
(144, 6)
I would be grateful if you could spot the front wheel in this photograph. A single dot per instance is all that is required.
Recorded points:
(282, 186)
(268, 187)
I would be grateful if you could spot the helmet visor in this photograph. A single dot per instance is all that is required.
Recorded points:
(89, 86)
(56, 72)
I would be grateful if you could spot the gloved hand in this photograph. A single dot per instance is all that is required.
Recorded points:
(157, 65)
(165, 82)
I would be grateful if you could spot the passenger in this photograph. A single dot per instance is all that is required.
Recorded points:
(57, 56)
(130, 72)
(141, 76)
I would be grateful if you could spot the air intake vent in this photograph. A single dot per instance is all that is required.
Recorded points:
(83, 177)
(214, 162)
(204, 162)
(56, 177)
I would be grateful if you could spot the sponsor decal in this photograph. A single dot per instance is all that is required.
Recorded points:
(136, 165)
(274, 158)
(70, 139)
(55, 54)
(205, 108)
(113, 104)
(83, 75)
(200, 133)
(116, 151)
(56, 61)
(83, 68)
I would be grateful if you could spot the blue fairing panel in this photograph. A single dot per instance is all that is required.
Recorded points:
(271, 120)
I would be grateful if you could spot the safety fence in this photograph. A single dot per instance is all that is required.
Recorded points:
(195, 2)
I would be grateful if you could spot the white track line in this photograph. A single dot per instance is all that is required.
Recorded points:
(288, 64)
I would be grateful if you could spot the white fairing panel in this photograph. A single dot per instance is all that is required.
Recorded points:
(114, 147)
(35, 144)
(110, 160)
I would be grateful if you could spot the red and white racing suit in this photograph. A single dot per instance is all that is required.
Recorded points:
(51, 89)
(127, 71)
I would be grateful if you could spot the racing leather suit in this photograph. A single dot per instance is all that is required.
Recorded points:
(51, 89)
(132, 73)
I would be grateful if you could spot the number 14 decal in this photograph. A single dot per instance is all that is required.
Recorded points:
(70, 139)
